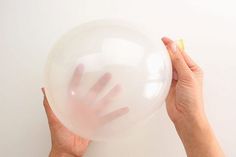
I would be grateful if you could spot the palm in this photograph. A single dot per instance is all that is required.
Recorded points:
(177, 104)
(87, 116)
(62, 138)
(69, 142)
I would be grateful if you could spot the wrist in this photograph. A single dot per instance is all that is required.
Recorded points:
(193, 128)
(194, 124)
(197, 120)
(197, 137)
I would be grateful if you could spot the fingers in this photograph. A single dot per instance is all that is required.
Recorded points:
(191, 64)
(177, 59)
(51, 117)
(114, 115)
(106, 100)
(98, 87)
(101, 83)
(74, 83)
(167, 41)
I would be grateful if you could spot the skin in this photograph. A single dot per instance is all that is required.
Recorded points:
(185, 108)
(185, 105)
(64, 142)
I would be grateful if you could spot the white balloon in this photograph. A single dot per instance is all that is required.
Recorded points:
(105, 77)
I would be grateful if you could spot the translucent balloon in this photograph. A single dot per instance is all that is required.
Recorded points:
(105, 77)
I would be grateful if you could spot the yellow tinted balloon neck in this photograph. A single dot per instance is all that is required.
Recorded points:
(180, 44)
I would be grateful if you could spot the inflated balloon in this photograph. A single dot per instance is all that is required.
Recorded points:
(105, 77)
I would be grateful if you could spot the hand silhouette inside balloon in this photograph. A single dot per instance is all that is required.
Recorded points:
(88, 110)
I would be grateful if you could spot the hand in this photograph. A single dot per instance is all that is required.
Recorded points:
(87, 111)
(185, 100)
(185, 105)
(64, 142)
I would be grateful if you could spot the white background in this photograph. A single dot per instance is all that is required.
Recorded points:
(28, 29)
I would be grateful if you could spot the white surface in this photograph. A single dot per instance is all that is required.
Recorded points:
(28, 28)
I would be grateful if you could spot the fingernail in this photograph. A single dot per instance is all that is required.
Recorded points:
(43, 91)
(174, 47)
(163, 39)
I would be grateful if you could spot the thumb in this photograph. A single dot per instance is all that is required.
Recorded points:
(178, 60)
(52, 119)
